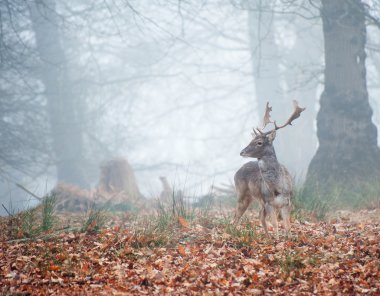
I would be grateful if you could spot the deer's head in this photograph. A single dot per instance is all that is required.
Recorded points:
(259, 146)
(262, 141)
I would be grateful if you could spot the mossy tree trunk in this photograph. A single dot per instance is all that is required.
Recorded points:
(348, 155)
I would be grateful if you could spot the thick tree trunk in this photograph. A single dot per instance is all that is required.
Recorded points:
(65, 123)
(348, 154)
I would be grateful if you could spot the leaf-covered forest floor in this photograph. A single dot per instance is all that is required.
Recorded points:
(199, 255)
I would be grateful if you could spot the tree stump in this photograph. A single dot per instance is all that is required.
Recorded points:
(117, 182)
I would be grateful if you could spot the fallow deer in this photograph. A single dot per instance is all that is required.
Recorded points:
(266, 179)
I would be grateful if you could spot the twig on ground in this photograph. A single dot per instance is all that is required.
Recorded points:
(46, 236)
(6, 210)
(28, 191)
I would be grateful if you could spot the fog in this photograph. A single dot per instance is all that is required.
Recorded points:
(175, 87)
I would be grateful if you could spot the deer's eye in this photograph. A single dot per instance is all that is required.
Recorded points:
(259, 143)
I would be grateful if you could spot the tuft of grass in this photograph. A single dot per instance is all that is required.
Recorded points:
(349, 194)
(204, 214)
(34, 221)
(48, 212)
(179, 206)
(289, 262)
(149, 233)
(182, 207)
(95, 221)
(310, 205)
(28, 224)
(169, 221)
(244, 234)
(366, 196)
(318, 202)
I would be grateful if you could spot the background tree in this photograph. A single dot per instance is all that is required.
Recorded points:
(62, 105)
(24, 144)
(20, 102)
(348, 155)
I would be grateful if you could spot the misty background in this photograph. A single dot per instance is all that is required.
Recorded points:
(173, 86)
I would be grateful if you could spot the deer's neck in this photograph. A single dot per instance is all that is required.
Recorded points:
(269, 166)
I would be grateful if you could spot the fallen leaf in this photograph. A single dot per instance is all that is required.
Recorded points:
(184, 223)
(182, 250)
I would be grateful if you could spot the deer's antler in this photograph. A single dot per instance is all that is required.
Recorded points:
(296, 113)
(266, 119)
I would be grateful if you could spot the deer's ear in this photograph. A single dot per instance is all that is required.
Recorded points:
(271, 137)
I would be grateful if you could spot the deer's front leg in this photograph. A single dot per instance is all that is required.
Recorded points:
(271, 211)
(282, 202)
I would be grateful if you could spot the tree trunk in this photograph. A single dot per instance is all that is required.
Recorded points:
(65, 122)
(348, 154)
(117, 176)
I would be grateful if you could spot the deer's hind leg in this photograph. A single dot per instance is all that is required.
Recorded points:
(285, 214)
(262, 216)
(244, 200)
